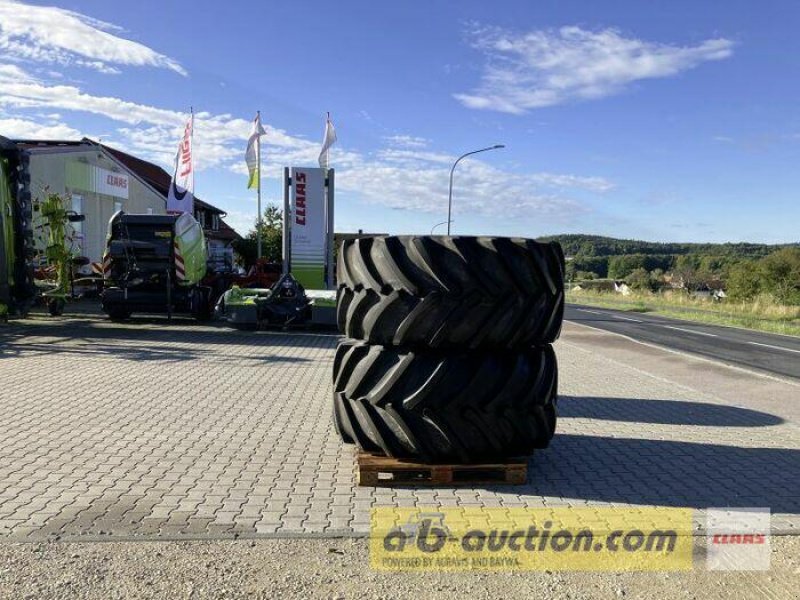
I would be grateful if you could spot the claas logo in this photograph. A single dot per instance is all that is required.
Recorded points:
(737, 538)
(300, 199)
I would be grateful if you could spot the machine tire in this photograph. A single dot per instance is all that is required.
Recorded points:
(201, 308)
(451, 292)
(118, 313)
(445, 407)
(55, 306)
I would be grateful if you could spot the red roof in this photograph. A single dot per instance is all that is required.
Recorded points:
(150, 173)
(160, 180)
(153, 174)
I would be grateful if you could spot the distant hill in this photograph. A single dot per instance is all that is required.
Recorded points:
(598, 256)
(577, 244)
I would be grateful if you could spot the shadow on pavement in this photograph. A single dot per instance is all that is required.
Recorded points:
(664, 412)
(670, 473)
(155, 339)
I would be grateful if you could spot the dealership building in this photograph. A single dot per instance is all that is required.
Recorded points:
(98, 181)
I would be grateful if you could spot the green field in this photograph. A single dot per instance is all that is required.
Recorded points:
(761, 314)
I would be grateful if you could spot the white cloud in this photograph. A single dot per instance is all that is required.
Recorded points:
(411, 157)
(25, 129)
(409, 180)
(153, 132)
(556, 180)
(548, 67)
(47, 34)
(13, 73)
(407, 141)
(400, 178)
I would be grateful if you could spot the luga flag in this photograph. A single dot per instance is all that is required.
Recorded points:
(180, 198)
(327, 142)
(252, 156)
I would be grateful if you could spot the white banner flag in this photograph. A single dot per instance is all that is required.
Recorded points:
(180, 198)
(253, 153)
(327, 142)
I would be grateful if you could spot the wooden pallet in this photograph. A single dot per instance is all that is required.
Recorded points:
(380, 471)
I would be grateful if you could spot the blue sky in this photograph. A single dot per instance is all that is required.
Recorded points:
(671, 120)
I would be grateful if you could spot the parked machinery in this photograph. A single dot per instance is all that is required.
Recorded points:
(155, 263)
(59, 258)
(285, 303)
(17, 289)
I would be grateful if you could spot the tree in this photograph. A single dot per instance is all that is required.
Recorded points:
(781, 275)
(639, 279)
(687, 267)
(271, 238)
(273, 217)
(585, 276)
(744, 280)
(619, 267)
(591, 264)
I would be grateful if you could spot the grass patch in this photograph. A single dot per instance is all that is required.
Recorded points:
(761, 314)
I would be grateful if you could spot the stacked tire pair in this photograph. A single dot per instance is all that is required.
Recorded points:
(448, 356)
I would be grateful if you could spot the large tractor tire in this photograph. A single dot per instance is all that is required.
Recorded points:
(464, 407)
(117, 313)
(451, 292)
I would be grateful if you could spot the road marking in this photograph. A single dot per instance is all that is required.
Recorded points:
(594, 312)
(627, 319)
(690, 331)
(775, 347)
(780, 378)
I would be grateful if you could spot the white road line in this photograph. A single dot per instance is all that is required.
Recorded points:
(775, 347)
(605, 314)
(626, 319)
(690, 331)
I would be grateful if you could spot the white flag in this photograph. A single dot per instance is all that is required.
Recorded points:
(253, 151)
(327, 142)
(180, 198)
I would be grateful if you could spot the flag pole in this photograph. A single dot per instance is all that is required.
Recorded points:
(191, 137)
(258, 187)
(328, 151)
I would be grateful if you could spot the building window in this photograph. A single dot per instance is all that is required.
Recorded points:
(215, 222)
(200, 215)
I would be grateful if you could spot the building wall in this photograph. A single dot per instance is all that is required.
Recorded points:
(96, 186)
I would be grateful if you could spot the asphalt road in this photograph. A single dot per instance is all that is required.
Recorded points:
(776, 354)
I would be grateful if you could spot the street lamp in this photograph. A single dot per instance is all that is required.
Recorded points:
(437, 225)
(458, 160)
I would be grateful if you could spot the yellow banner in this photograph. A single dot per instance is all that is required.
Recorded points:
(521, 539)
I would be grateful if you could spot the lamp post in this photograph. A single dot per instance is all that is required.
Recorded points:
(452, 170)
(437, 225)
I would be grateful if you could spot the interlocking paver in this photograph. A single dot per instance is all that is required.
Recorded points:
(148, 430)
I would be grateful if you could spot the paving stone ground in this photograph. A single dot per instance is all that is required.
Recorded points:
(148, 430)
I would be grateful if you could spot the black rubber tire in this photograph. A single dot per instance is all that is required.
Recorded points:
(201, 304)
(463, 407)
(55, 306)
(117, 313)
(451, 292)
